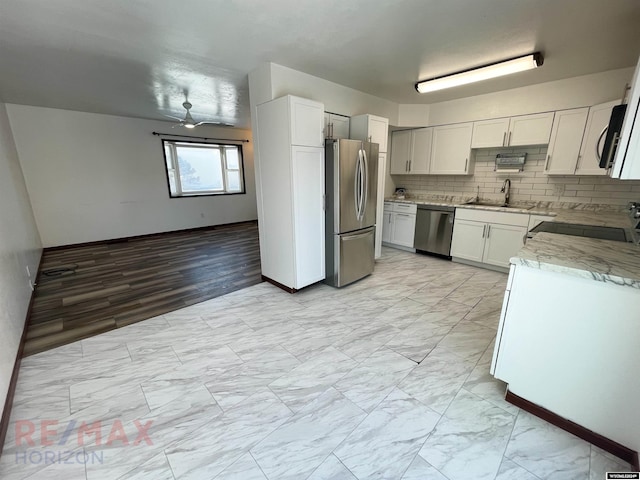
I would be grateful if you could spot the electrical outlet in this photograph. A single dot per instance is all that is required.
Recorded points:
(558, 189)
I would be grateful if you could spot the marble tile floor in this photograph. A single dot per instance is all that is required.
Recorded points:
(385, 379)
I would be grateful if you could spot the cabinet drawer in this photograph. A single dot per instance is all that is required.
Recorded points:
(504, 218)
(388, 206)
(411, 208)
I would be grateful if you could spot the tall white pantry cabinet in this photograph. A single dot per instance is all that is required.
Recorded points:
(290, 191)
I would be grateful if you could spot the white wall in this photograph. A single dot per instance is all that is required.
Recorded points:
(19, 247)
(336, 98)
(413, 115)
(94, 177)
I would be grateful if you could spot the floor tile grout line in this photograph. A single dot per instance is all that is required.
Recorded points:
(257, 463)
(164, 453)
(504, 454)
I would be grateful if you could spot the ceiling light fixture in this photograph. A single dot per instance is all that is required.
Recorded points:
(499, 69)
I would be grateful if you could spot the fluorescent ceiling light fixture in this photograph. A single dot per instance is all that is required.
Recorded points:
(499, 69)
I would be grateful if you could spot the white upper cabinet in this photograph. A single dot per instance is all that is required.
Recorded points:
(411, 151)
(400, 152)
(306, 122)
(566, 139)
(451, 148)
(529, 129)
(490, 133)
(592, 142)
(512, 132)
(420, 161)
(370, 128)
(336, 126)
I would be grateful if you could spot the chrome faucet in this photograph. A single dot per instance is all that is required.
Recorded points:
(506, 188)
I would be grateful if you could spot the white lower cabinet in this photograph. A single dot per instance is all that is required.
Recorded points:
(468, 240)
(569, 344)
(399, 224)
(404, 227)
(502, 242)
(488, 237)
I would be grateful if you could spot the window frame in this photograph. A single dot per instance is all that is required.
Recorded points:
(171, 144)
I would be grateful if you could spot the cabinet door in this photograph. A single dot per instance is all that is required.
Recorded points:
(339, 126)
(468, 240)
(400, 151)
(387, 226)
(530, 129)
(307, 119)
(490, 133)
(592, 142)
(379, 131)
(501, 243)
(404, 228)
(308, 211)
(451, 146)
(420, 159)
(566, 139)
(327, 128)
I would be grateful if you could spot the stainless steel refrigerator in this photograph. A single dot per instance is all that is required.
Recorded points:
(351, 169)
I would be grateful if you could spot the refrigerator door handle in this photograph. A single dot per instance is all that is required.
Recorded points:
(357, 187)
(361, 191)
(365, 182)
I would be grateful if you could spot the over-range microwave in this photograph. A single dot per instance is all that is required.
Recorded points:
(621, 150)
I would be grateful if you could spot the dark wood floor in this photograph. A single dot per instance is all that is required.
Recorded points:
(111, 285)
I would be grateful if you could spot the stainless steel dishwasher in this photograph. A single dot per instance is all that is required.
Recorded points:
(434, 227)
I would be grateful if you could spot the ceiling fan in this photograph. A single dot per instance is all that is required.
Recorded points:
(189, 122)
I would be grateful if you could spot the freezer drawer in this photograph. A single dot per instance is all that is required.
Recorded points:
(353, 257)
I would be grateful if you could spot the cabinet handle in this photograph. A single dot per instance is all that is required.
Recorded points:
(403, 215)
(484, 229)
(509, 139)
(410, 162)
(406, 166)
(546, 164)
(504, 138)
(488, 230)
(466, 162)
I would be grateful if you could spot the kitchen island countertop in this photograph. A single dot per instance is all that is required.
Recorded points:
(602, 260)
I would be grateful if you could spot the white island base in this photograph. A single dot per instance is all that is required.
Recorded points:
(571, 345)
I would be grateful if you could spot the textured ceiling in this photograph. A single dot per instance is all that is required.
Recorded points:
(142, 58)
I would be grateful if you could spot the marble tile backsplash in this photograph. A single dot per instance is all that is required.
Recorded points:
(530, 184)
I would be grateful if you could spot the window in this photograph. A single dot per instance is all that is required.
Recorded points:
(203, 168)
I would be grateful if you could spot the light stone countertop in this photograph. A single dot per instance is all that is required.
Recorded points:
(601, 216)
(602, 260)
